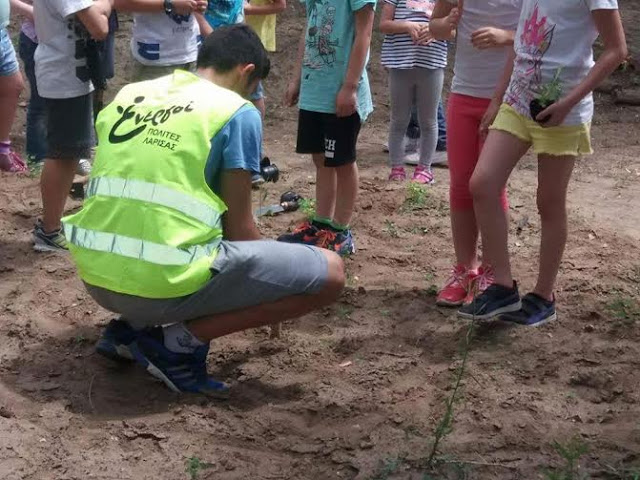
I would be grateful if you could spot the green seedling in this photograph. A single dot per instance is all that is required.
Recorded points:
(416, 197)
(308, 207)
(625, 309)
(391, 228)
(570, 452)
(195, 466)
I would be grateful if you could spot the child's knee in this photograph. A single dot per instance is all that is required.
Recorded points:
(336, 278)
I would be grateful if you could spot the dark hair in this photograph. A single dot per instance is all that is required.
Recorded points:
(230, 46)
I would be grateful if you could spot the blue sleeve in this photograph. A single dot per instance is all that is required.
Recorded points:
(237, 146)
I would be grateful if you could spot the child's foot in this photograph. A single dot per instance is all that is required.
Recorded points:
(181, 372)
(84, 168)
(423, 176)
(481, 282)
(256, 180)
(397, 174)
(341, 243)
(305, 233)
(457, 287)
(493, 302)
(48, 242)
(12, 162)
(535, 311)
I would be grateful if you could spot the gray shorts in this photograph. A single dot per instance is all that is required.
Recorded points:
(141, 73)
(245, 274)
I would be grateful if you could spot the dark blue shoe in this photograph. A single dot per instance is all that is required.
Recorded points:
(535, 311)
(496, 300)
(341, 243)
(181, 372)
(116, 341)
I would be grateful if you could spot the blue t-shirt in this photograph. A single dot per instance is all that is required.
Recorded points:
(224, 12)
(331, 30)
(4, 13)
(237, 146)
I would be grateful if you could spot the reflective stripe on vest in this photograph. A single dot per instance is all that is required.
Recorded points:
(139, 249)
(157, 194)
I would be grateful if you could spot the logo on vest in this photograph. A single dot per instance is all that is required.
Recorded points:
(131, 124)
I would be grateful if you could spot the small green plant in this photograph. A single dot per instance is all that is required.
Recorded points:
(571, 452)
(625, 309)
(390, 467)
(391, 228)
(195, 466)
(308, 207)
(550, 92)
(416, 197)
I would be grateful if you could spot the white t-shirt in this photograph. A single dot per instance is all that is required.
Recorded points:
(162, 40)
(59, 74)
(477, 72)
(555, 35)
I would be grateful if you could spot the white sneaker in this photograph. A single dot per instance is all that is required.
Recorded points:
(84, 167)
(440, 159)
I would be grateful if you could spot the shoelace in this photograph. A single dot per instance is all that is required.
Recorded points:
(456, 278)
(16, 164)
(301, 228)
(484, 279)
(325, 238)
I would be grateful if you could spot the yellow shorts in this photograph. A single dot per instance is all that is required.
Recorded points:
(573, 140)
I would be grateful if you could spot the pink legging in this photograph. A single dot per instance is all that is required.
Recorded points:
(464, 144)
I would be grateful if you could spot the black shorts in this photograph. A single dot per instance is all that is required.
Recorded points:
(70, 127)
(326, 133)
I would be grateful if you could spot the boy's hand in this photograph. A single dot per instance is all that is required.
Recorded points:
(185, 7)
(489, 37)
(292, 94)
(425, 37)
(454, 17)
(414, 30)
(556, 113)
(347, 101)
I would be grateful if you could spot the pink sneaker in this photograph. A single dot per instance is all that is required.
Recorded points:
(423, 175)
(397, 174)
(457, 287)
(11, 162)
(480, 283)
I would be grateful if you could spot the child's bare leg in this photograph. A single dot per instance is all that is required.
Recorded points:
(465, 237)
(55, 182)
(326, 185)
(501, 153)
(554, 174)
(261, 106)
(347, 193)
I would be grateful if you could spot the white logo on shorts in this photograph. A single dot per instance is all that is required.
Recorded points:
(329, 148)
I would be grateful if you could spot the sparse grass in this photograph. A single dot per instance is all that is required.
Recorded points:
(624, 309)
(391, 229)
(344, 311)
(433, 290)
(389, 467)
(308, 207)
(570, 452)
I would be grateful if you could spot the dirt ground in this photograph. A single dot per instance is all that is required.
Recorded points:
(356, 391)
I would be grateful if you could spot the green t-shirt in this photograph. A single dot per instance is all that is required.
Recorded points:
(4, 13)
(331, 30)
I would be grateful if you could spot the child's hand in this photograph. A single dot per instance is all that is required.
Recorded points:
(488, 117)
(454, 17)
(489, 37)
(346, 102)
(202, 6)
(425, 37)
(415, 30)
(185, 7)
(556, 113)
(292, 94)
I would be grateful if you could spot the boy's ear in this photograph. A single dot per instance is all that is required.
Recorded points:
(247, 69)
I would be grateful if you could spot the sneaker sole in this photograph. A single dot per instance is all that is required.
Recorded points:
(38, 247)
(142, 360)
(120, 353)
(444, 303)
(492, 315)
(552, 318)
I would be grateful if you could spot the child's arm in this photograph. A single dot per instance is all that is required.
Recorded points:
(293, 89)
(498, 96)
(346, 102)
(205, 28)
(609, 25)
(181, 7)
(444, 20)
(96, 18)
(419, 34)
(276, 6)
(22, 8)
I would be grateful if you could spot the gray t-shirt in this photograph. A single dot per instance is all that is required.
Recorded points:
(59, 73)
(4, 13)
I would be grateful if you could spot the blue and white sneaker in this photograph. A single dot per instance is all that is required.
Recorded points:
(535, 311)
(496, 300)
(116, 340)
(256, 180)
(341, 243)
(181, 372)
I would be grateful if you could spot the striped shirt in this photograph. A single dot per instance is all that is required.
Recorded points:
(399, 51)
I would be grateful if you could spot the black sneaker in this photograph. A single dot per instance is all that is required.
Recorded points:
(493, 302)
(48, 242)
(535, 311)
(306, 233)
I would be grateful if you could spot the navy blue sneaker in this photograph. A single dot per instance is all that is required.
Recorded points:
(116, 340)
(256, 180)
(181, 372)
(493, 302)
(535, 311)
(341, 243)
